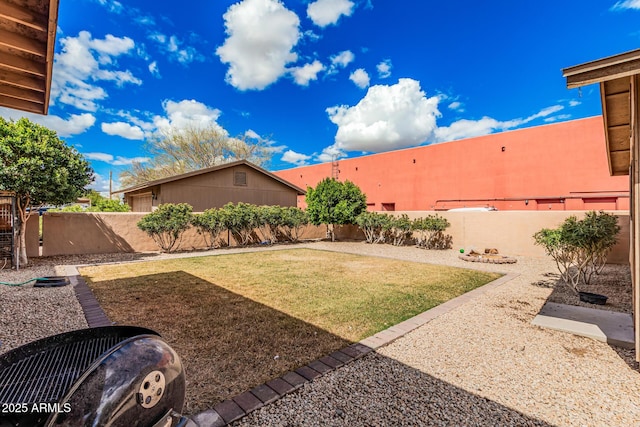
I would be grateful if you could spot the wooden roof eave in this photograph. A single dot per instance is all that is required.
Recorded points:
(27, 44)
(615, 75)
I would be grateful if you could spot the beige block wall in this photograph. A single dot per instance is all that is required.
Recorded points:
(33, 236)
(509, 231)
(72, 233)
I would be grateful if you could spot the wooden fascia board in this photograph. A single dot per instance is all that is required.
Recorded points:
(613, 67)
(51, 44)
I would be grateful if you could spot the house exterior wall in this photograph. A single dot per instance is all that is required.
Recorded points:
(560, 166)
(215, 189)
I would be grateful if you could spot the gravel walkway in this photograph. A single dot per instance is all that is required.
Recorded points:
(482, 364)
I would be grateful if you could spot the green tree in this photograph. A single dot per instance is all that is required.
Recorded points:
(335, 203)
(166, 224)
(180, 150)
(40, 168)
(99, 203)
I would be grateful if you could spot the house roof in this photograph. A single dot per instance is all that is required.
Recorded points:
(27, 41)
(208, 170)
(616, 77)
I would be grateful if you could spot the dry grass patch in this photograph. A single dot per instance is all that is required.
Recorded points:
(239, 320)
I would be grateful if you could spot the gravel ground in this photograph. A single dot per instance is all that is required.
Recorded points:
(482, 364)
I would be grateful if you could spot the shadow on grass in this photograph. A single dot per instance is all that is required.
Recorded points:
(230, 344)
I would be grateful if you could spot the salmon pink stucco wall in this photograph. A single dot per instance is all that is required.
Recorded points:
(561, 166)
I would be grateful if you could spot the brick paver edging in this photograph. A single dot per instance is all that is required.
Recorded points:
(231, 410)
(93, 313)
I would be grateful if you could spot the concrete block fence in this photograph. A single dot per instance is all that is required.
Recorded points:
(69, 233)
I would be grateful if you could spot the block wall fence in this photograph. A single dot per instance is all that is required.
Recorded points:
(511, 232)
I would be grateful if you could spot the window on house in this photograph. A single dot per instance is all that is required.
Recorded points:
(239, 178)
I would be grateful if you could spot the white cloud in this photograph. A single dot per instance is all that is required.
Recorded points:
(101, 185)
(250, 133)
(153, 69)
(112, 5)
(176, 49)
(186, 113)
(574, 103)
(329, 154)
(388, 117)
(342, 59)
(115, 160)
(261, 36)
(125, 130)
(74, 125)
(328, 12)
(303, 75)
(456, 106)
(626, 4)
(465, 128)
(297, 159)
(384, 69)
(360, 77)
(558, 117)
(84, 59)
(391, 117)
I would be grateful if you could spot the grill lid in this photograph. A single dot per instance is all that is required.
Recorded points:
(44, 370)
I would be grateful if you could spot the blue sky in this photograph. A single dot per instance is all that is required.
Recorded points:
(320, 78)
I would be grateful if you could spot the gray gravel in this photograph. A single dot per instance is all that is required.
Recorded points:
(28, 313)
(482, 364)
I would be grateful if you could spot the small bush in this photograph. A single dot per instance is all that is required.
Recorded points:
(166, 224)
(241, 220)
(399, 230)
(209, 224)
(293, 222)
(430, 232)
(374, 226)
(580, 247)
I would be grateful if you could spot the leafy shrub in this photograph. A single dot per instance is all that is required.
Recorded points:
(374, 226)
(241, 220)
(209, 224)
(580, 247)
(399, 229)
(293, 222)
(270, 219)
(166, 224)
(430, 232)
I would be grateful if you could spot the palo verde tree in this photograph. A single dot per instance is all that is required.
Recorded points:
(184, 149)
(40, 169)
(335, 203)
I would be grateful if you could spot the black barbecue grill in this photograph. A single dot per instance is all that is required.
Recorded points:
(115, 375)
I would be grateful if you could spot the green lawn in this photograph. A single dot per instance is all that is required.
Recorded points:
(238, 320)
